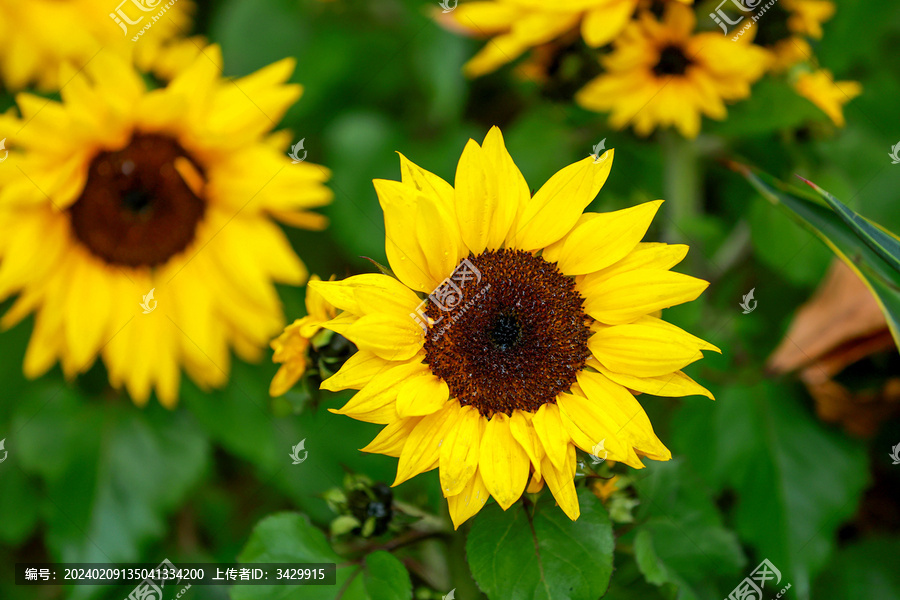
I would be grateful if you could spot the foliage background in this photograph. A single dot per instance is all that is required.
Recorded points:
(756, 475)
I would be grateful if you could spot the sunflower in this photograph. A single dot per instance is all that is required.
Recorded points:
(293, 347)
(118, 194)
(40, 35)
(517, 25)
(662, 74)
(820, 88)
(536, 327)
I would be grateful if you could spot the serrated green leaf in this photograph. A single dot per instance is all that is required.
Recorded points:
(386, 578)
(877, 274)
(537, 553)
(290, 537)
(794, 480)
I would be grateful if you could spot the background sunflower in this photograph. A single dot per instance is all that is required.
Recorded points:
(795, 468)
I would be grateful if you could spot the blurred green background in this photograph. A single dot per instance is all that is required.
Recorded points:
(90, 477)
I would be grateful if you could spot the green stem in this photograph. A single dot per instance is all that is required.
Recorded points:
(460, 576)
(682, 184)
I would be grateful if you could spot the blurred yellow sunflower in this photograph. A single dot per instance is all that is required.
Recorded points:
(662, 74)
(536, 327)
(292, 347)
(138, 224)
(514, 26)
(40, 35)
(820, 88)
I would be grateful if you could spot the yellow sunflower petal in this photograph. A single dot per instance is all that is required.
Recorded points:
(421, 396)
(496, 53)
(556, 207)
(489, 191)
(356, 372)
(561, 482)
(614, 408)
(605, 22)
(389, 337)
(536, 484)
(460, 452)
(647, 255)
(404, 206)
(524, 433)
(422, 449)
(550, 431)
(391, 439)
(601, 239)
(376, 402)
(648, 348)
(671, 385)
(503, 463)
(626, 296)
(468, 502)
(286, 377)
(511, 189)
(588, 427)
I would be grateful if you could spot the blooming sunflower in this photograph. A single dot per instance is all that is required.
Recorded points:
(118, 193)
(820, 88)
(536, 328)
(662, 74)
(40, 35)
(517, 25)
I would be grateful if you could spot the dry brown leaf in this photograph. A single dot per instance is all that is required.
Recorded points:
(840, 325)
(842, 310)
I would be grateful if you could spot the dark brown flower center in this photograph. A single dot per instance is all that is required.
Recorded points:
(672, 61)
(515, 339)
(136, 208)
(774, 28)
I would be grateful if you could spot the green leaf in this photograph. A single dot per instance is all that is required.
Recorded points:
(794, 481)
(18, 502)
(651, 566)
(865, 570)
(536, 552)
(112, 473)
(386, 578)
(290, 537)
(881, 243)
(879, 275)
(681, 539)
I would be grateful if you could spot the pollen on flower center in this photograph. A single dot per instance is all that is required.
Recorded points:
(672, 61)
(136, 208)
(517, 338)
